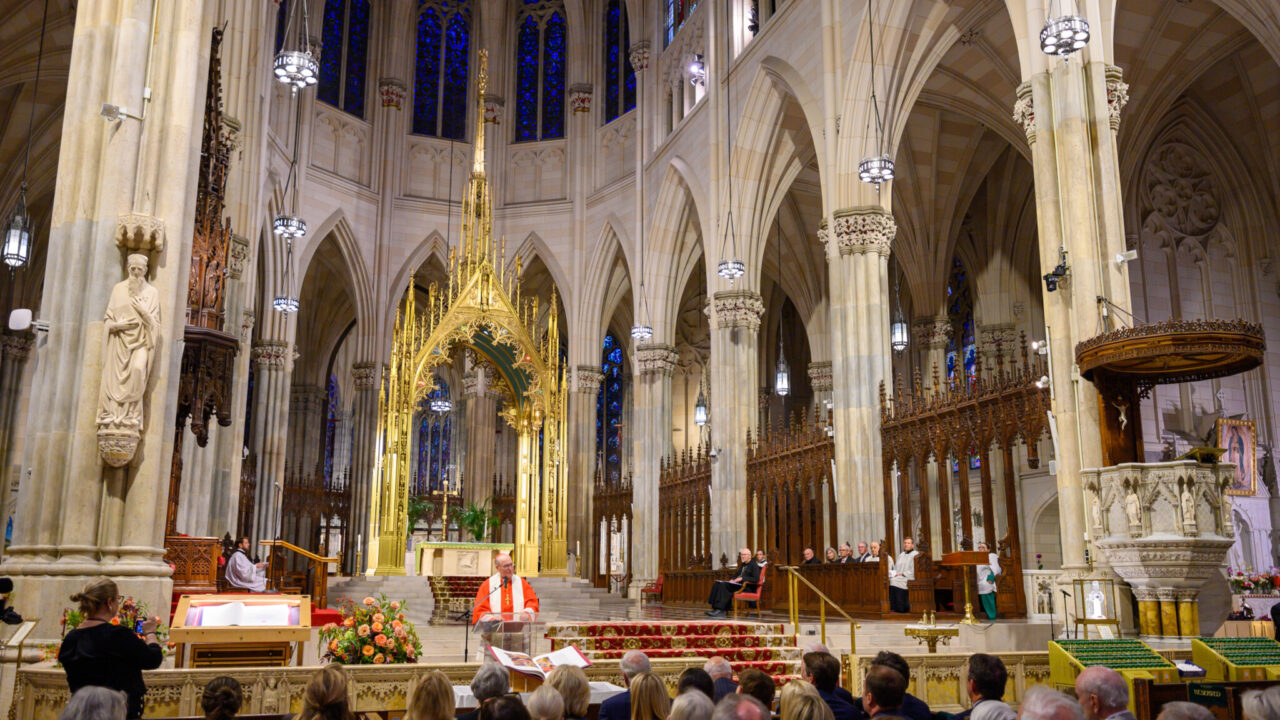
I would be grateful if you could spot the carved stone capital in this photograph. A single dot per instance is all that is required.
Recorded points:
(1024, 112)
(864, 229)
(393, 92)
(272, 354)
(639, 56)
(820, 378)
(364, 376)
(1004, 334)
(580, 98)
(493, 109)
(18, 347)
(738, 309)
(932, 333)
(656, 358)
(136, 232)
(471, 385)
(233, 129)
(237, 256)
(589, 379)
(824, 233)
(1117, 95)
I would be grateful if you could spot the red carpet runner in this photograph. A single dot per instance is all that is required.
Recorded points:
(759, 645)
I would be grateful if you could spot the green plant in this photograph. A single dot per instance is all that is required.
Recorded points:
(419, 508)
(478, 520)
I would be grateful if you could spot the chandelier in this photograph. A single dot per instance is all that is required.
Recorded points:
(1063, 35)
(879, 168)
(297, 68)
(642, 331)
(17, 234)
(286, 302)
(782, 373)
(289, 226)
(700, 408)
(898, 335)
(439, 401)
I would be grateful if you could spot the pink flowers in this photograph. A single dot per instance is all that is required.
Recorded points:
(370, 602)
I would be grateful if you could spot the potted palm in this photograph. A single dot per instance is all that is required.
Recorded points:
(478, 520)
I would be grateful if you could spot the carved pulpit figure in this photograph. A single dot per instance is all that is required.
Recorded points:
(1188, 510)
(132, 326)
(1133, 509)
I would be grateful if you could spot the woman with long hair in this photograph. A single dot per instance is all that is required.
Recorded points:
(649, 699)
(326, 696)
(101, 653)
(432, 699)
(571, 682)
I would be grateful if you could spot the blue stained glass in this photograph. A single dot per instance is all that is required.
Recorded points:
(357, 54)
(282, 19)
(456, 53)
(426, 80)
(628, 72)
(527, 80)
(330, 89)
(615, 387)
(612, 27)
(331, 423)
(609, 408)
(616, 355)
(608, 341)
(553, 75)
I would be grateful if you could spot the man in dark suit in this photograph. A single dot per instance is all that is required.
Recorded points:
(846, 553)
(721, 673)
(862, 553)
(810, 557)
(618, 707)
(910, 707)
(823, 671)
(721, 598)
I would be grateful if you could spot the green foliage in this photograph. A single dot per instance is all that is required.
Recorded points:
(478, 520)
(419, 508)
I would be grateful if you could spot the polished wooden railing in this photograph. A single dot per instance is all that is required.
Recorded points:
(315, 581)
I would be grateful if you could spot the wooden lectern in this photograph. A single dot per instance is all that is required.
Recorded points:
(965, 560)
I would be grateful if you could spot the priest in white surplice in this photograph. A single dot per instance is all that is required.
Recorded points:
(505, 592)
(902, 570)
(244, 573)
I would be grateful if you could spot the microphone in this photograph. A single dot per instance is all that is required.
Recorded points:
(1064, 592)
(505, 581)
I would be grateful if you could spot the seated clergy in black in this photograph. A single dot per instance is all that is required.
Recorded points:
(722, 591)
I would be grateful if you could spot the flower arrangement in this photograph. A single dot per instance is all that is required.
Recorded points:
(1039, 561)
(372, 632)
(131, 614)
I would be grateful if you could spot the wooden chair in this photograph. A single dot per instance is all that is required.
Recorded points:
(653, 588)
(757, 596)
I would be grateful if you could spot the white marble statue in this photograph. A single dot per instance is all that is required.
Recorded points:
(1133, 509)
(1188, 509)
(132, 327)
(1095, 510)
(1095, 603)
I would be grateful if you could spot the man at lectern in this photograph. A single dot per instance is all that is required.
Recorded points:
(244, 573)
(505, 592)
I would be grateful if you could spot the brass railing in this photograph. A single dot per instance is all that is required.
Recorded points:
(793, 583)
(317, 575)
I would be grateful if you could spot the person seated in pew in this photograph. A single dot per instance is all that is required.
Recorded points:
(432, 699)
(571, 682)
(222, 697)
(810, 558)
(748, 576)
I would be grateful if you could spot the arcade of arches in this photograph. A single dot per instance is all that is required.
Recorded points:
(632, 146)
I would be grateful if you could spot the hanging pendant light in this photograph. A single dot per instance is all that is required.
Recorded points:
(1064, 34)
(289, 226)
(879, 168)
(730, 268)
(642, 331)
(782, 373)
(17, 233)
(439, 402)
(899, 337)
(296, 67)
(287, 300)
(700, 408)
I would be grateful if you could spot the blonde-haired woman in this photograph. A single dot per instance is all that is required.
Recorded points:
(326, 696)
(649, 699)
(571, 682)
(800, 700)
(107, 655)
(432, 699)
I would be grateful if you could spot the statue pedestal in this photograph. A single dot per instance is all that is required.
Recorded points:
(457, 559)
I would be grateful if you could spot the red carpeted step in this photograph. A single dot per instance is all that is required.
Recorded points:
(730, 654)
(676, 642)
(637, 629)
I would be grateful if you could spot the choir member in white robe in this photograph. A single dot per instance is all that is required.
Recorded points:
(902, 570)
(987, 581)
(244, 573)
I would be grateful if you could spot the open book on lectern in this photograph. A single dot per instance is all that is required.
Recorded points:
(542, 665)
(244, 615)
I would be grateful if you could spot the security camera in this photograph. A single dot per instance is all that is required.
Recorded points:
(113, 112)
(1054, 278)
(1040, 347)
(1043, 382)
(1126, 257)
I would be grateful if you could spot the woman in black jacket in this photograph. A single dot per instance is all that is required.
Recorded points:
(100, 653)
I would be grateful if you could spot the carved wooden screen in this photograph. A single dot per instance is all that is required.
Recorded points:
(684, 505)
(314, 511)
(611, 519)
(790, 498)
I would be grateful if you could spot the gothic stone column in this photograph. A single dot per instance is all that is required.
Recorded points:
(481, 423)
(858, 255)
(734, 412)
(274, 360)
(365, 378)
(123, 187)
(582, 446)
(15, 348)
(655, 364)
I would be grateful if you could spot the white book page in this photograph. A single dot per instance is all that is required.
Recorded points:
(564, 656)
(264, 615)
(223, 615)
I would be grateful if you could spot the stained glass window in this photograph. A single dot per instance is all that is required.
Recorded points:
(431, 473)
(440, 103)
(609, 405)
(332, 415)
(962, 351)
(677, 12)
(619, 76)
(541, 61)
(345, 50)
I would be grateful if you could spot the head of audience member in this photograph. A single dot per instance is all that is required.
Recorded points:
(895, 661)
(821, 669)
(744, 556)
(757, 684)
(875, 548)
(1261, 704)
(1042, 702)
(1183, 710)
(908, 544)
(432, 699)
(649, 699)
(831, 555)
(505, 565)
(845, 551)
(987, 677)
(801, 701)
(737, 706)
(885, 689)
(571, 682)
(222, 698)
(695, 679)
(862, 548)
(982, 547)
(807, 554)
(1102, 692)
(817, 647)
(691, 706)
(326, 695)
(545, 704)
(633, 663)
(717, 667)
(99, 598)
(491, 681)
(506, 707)
(95, 703)
(761, 558)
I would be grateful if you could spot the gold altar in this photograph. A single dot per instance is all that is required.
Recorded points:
(480, 309)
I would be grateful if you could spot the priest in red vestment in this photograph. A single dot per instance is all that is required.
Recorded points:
(505, 592)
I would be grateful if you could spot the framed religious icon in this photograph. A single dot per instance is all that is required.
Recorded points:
(1239, 438)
